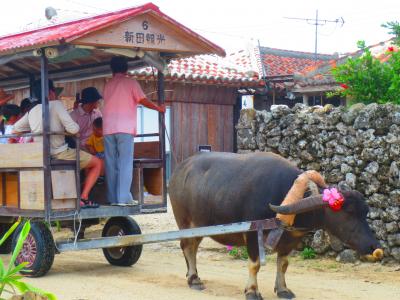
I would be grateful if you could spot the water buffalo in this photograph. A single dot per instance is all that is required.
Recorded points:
(219, 188)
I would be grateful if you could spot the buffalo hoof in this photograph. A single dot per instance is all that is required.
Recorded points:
(254, 296)
(195, 283)
(197, 286)
(287, 294)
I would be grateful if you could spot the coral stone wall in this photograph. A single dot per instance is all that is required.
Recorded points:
(356, 148)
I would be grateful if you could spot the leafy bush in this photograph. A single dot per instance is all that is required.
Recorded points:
(308, 253)
(9, 277)
(238, 252)
(366, 79)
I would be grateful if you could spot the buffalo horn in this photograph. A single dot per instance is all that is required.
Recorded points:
(303, 205)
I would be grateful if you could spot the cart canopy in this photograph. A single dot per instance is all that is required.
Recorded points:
(82, 48)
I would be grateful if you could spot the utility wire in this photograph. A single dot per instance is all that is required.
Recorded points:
(224, 33)
(85, 5)
(317, 22)
(74, 11)
(331, 32)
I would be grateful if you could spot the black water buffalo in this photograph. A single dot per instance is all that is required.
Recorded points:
(219, 188)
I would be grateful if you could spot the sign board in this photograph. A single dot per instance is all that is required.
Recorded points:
(247, 101)
(204, 148)
(144, 31)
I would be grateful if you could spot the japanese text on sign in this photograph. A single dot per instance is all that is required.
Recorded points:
(144, 37)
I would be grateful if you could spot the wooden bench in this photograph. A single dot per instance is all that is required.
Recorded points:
(22, 178)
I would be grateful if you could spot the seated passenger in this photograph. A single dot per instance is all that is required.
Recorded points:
(95, 143)
(86, 113)
(27, 104)
(11, 114)
(60, 121)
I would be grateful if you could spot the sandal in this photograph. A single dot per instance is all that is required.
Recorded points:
(88, 204)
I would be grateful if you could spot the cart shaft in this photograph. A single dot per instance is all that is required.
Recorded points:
(141, 239)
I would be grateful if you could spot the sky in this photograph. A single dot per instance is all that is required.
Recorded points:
(236, 24)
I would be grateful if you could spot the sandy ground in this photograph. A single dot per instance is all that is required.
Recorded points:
(160, 274)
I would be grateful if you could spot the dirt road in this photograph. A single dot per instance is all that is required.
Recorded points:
(160, 274)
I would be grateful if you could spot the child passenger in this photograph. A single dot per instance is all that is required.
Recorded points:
(95, 144)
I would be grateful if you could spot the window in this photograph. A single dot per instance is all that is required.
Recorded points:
(247, 101)
(147, 122)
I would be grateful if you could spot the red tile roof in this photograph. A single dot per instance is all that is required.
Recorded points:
(234, 69)
(65, 32)
(242, 68)
(321, 75)
(286, 62)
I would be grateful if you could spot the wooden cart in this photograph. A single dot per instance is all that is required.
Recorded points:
(35, 186)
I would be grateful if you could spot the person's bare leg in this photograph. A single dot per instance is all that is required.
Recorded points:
(92, 170)
(103, 171)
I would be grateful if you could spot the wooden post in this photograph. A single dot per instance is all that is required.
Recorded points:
(46, 134)
(321, 95)
(305, 99)
(273, 94)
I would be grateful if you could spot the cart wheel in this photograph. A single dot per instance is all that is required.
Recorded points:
(6, 247)
(38, 250)
(122, 256)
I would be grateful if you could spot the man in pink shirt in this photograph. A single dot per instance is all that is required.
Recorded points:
(121, 98)
(85, 113)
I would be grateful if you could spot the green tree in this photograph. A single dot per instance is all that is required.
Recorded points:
(366, 79)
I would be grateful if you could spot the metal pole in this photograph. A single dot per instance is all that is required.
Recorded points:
(316, 34)
(78, 174)
(141, 239)
(46, 134)
(161, 126)
(316, 23)
(31, 82)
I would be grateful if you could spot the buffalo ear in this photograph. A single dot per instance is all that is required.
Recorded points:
(350, 207)
(354, 203)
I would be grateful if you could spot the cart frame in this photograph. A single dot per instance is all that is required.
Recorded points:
(115, 33)
(101, 41)
(106, 211)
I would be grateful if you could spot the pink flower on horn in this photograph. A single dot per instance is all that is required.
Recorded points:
(334, 198)
(229, 248)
